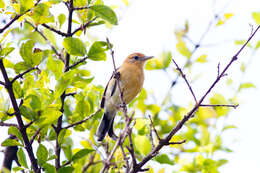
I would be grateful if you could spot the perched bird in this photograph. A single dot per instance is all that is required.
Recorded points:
(131, 78)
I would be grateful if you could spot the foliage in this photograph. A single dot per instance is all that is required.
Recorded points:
(52, 92)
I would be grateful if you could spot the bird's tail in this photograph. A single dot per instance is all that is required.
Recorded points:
(106, 126)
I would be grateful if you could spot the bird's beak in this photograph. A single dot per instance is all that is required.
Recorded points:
(145, 58)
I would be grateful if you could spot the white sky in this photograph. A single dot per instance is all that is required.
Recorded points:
(148, 26)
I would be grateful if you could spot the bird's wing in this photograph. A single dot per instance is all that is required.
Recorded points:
(109, 90)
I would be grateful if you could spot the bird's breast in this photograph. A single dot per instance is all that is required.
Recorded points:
(131, 80)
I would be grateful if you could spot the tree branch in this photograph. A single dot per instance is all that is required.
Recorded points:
(55, 30)
(80, 8)
(77, 63)
(8, 124)
(18, 116)
(190, 114)
(82, 121)
(208, 105)
(35, 135)
(83, 26)
(2, 83)
(21, 74)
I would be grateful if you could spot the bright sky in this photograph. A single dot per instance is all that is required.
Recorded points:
(148, 26)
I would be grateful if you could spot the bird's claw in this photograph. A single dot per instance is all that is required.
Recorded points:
(117, 75)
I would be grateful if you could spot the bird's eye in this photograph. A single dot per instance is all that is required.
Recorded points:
(136, 57)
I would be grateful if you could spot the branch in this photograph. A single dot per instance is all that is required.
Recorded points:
(45, 38)
(2, 83)
(55, 30)
(208, 105)
(16, 17)
(157, 135)
(35, 135)
(77, 63)
(184, 77)
(8, 124)
(80, 8)
(18, 116)
(165, 141)
(21, 74)
(83, 26)
(82, 121)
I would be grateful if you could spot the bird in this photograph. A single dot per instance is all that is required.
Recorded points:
(131, 78)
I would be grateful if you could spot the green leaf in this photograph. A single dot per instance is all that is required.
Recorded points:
(49, 115)
(257, 44)
(48, 168)
(42, 154)
(142, 144)
(25, 5)
(182, 48)
(26, 52)
(68, 169)
(21, 66)
(81, 153)
(229, 127)
(61, 19)
(246, 85)
(202, 59)
(28, 112)
(22, 158)
(18, 92)
(105, 13)
(164, 159)
(10, 142)
(63, 82)
(256, 17)
(97, 51)
(15, 131)
(74, 46)
(6, 51)
(219, 99)
(2, 4)
(159, 63)
(41, 14)
(64, 133)
(55, 66)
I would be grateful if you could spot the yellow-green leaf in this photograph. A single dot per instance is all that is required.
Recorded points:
(202, 59)
(105, 13)
(246, 85)
(182, 48)
(74, 46)
(256, 17)
(142, 144)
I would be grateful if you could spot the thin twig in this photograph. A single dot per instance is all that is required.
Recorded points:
(77, 63)
(190, 114)
(83, 26)
(80, 8)
(125, 157)
(70, 94)
(82, 121)
(35, 135)
(131, 148)
(2, 83)
(21, 74)
(174, 143)
(184, 77)
(154, 129)
(16, 17)
(55, 30)
(219, 105)
(8, 124)
(28, 125)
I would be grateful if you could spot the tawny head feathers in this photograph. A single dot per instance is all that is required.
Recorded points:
(137, 59)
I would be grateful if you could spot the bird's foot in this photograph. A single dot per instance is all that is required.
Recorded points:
(116, 75)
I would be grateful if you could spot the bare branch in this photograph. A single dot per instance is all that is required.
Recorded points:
(208, 105)
(21, 74)
(155, 131)
(55, 30)
(190, 114)
(2, 83)
(174, 143)
(131, 148)
(125, 158)
(184, 77)
(70, 94)
(82, 121)
(35, 135)
(80, 8)
(8, 124)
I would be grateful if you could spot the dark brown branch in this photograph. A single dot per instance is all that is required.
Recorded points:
(83, 26)
(35, 135)
(2, 83)
(131, 148)
(125, 158)
(18, 116)
(23, 73)
(45, 38)
(208, 105)
(174, 143)
(77, 63)
(8, 124)
(55, 30)
(184, 77)
(28, 125)
(16, 17)
(190, 114)
(70, 94)
(82, 121)
(80, 8)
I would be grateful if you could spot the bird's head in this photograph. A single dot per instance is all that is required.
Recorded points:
(137, 59)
